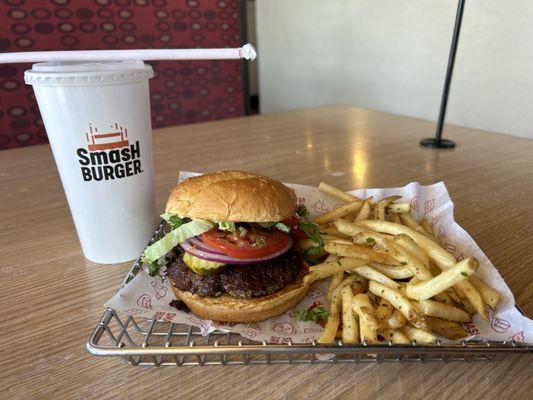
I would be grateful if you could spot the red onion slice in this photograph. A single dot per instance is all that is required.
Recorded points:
(195, 241)
(222, 258)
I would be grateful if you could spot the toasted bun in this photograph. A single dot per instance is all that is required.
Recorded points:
(232, 309)
(234, 196)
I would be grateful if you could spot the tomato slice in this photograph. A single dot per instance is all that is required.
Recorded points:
(296, 232)
(251, 245)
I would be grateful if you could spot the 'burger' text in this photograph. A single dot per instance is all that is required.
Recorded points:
(110, 164)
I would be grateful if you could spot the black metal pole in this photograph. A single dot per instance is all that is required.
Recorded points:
(437, 141)
(245, 72)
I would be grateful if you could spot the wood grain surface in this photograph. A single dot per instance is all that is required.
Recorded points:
(52, 297)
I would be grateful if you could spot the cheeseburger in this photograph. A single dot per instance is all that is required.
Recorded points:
(232, 248)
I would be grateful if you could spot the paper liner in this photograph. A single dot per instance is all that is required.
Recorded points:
(149, 297)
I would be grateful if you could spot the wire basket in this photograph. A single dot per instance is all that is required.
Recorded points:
(154, 343)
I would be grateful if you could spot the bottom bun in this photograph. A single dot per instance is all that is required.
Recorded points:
(234, 309)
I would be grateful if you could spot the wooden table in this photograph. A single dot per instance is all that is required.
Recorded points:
(52, 297)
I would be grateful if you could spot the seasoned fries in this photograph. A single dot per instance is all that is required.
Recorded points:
(396, 320)
(333, 231)
(435, 309)
(488, 294)
(373, 275)
(347, 228)
(339, 194)
(379, 210)
(400, 302)
(418, 335)
(340, 212)
(370, 260)
(383, 313)
(393, 272)
(368, 323)
(330, 331)
(364, 212)
(448, 329)
(461, 271)
(335, 280)
(321, 271)
(435, 252)
(358, 251)
(350, 327)
(395, 336)
(399, 208)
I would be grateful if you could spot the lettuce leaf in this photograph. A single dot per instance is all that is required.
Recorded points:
(174, 220)
(283, 227)
(174, 237)
(227, 226)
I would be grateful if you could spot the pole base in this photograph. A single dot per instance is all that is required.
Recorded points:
(434, 144)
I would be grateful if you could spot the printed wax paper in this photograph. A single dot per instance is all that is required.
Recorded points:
(149, 297)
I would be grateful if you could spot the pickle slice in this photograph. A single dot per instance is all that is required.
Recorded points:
(199, 265)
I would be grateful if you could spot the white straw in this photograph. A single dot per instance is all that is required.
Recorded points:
(247, 52)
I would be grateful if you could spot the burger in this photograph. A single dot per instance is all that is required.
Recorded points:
(237, 246)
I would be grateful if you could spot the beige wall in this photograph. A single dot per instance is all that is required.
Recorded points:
(391, 55)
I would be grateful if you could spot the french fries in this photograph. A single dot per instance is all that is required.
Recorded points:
(400, 302)
(373, 275)
(364, 212)
(321, 271)
(418, 335)
(350, 327)
(368, 324)
(347, 228)
(332, 325)
(339, 194)
(396, 320)
(435, 252)
(358, 251)
(448, 329)
(488, 294)
(340, 212)
(393, 218)
(435, 309)
(445, 280)
(333, 231)
(399, 208)
(335, 280)
(393, 272)
(395, 336)
(383, 313)
(410, 245)
(370, 259)
(379, 210)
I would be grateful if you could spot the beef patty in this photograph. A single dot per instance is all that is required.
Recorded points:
(243, 281)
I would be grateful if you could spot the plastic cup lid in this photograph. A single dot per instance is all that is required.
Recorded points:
(87, 73)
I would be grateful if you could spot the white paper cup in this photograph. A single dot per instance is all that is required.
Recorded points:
(97, 117)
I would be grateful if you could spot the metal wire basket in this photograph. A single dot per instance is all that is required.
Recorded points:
(147, 342)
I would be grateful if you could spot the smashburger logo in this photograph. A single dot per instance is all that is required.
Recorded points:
(109, 155)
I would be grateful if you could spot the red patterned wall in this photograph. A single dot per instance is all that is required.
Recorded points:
(182, 91)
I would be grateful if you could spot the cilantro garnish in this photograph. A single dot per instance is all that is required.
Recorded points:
(312, 231)
(302, 211)
(153, 268)
(315, 314)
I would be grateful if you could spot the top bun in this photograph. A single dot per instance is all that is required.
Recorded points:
(234, 196)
